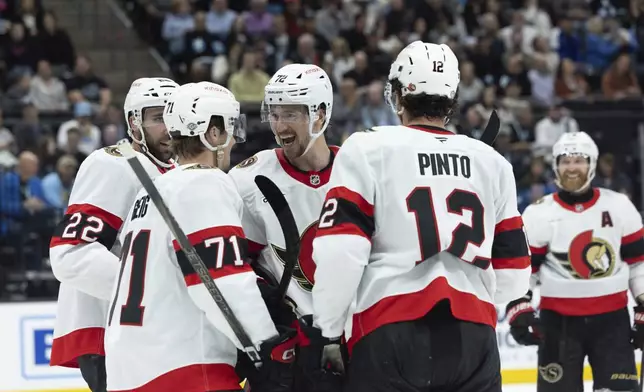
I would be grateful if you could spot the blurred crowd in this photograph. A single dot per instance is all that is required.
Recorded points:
(531, 60)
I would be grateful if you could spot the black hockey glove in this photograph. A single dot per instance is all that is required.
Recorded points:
(320, 359)
(637, 333)
(278, 358)
(281, 311)
(524, 325)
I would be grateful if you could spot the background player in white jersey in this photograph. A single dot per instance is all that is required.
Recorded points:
(298, 102)
(421, 227)
(165, 333)
(81, 260)
(587, 249)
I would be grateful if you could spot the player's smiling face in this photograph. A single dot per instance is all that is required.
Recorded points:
(573, 171)
(290, 124)
(156, 133)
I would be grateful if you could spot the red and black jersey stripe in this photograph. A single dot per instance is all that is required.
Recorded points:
(353, 214)
(632, 247)
(209, 243)
(86, 223)
(510, 246)
(539, 257)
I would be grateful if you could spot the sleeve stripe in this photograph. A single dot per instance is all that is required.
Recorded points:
(510, 244)
(511, 263)
(627, 239)
(346, 228)
(57, 241)
(91, 210)
(508, 224)
(200, 236)
(353, 197)
(634, 260)
(539, 251)
(226, 270)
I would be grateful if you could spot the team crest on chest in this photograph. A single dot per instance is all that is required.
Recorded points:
(590, 257)
(305, 268)
(314, 179)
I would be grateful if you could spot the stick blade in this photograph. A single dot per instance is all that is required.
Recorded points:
(492, 129)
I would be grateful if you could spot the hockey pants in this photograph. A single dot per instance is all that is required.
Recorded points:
(567, 340)
(435, 353)
(92, 369)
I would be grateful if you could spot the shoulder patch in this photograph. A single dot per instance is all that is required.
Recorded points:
(113, 150)
(541, 200)
(247, 162)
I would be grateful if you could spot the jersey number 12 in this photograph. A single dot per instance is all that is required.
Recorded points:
(421, 203)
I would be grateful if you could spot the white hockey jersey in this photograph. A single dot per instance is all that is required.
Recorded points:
(586, 254)
(165, 333)
(305, 193)
(416, 215)
(80, 251)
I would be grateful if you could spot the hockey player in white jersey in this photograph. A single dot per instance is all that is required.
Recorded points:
(297, 104)
(80, 248)
(165, 333)
(587, 250)
(421, 226)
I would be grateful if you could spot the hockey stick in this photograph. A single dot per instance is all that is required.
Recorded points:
(491, 130)
(278, 203)
(641, 386)
(197, 264)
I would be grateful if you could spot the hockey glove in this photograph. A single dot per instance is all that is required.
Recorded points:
(637, 333)
(524, 325)
(278, 356)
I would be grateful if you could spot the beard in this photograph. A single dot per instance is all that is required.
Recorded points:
(573, 181)
(161, 153)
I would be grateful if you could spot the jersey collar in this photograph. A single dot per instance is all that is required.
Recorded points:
(430, 129)
(313, 179)
(577, 203)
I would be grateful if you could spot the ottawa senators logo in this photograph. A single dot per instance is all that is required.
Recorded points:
(591, 257)
(247, 162)
(305, 268)
(113, 150)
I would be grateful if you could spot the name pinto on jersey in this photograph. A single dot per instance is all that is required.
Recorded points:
(444, 164)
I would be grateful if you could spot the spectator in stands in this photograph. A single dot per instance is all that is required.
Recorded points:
(542, 79)
(71, 147)
(332, 19)
(29, 130)
(548, 130)
(356, 36)
(8, 146)
(361, 72)
(57, 185)
(84, 85)
(21, 52)
(257, 22)
(306, 52)
(518, 37)
(200, 45)
(346, 118)
(220, 19)
(90, 133)
(22, 193)
(599, 48)
(620, 81)
(176, 24)
(30, 15)
(375, 111)
(608, 177)
(47, 92)
(570, 83)
(535, 184)
(471, 87)
(340, 59)
(248, 83)
(56, 45)
(537, 17)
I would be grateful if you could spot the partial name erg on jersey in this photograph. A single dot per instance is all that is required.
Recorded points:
(444, 164)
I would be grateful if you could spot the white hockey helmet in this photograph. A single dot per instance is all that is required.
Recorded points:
(146, 93)
(576, 143)
(300, 84)
(423, 68)
(191, 107)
